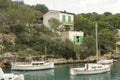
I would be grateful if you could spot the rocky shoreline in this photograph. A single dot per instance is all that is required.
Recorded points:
(70, 61)
(56, 62)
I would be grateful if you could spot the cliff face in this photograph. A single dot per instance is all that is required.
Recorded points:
(8, 37)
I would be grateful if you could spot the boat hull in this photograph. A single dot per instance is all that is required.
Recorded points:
(10, 76)
(33, 67)
(75, 71)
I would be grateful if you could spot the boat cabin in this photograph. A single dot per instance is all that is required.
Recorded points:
(37, 63)
(93, 66)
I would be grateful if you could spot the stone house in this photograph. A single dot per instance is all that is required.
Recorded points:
(74, 36)
(66, 19)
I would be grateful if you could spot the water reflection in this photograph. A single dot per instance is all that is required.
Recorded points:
(38, 75)
(115, 71)
(104, 76)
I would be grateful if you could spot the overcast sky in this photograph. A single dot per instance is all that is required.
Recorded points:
(80, 6)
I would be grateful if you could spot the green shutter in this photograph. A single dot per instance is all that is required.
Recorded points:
(63, 18)
(74, 39)
(81, 39)
(69, 18)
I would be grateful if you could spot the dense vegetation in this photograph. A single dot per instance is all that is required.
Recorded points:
(21, 22)
(107, 25)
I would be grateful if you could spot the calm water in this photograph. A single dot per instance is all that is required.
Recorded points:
(61, 72)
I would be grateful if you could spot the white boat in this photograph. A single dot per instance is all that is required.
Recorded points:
(10, 76)
(105, 61)
(90, 69)
(37, 65)
(92, 77)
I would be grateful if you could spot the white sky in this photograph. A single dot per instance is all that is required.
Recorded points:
(80, 6)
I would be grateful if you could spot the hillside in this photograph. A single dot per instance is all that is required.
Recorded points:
(23, 33)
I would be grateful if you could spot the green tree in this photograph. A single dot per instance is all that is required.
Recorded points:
(107, 13)
(54, 24)
(5, 4)
(83, 24)
(88, 47)
(106, 41)
(21, 14)
(41, 7)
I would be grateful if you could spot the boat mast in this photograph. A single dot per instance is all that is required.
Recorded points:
(96, 42)
(45, 53)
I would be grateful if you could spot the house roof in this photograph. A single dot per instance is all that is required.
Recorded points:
(66, 12)
(63, 12)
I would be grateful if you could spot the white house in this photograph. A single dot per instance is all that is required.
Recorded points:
(74, 36)
(66, 19)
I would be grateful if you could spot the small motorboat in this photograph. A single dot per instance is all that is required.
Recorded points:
(10, 76)
(36, 65)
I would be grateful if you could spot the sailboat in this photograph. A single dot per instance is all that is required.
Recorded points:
(91, 68)
(35, 65)
(105, 61)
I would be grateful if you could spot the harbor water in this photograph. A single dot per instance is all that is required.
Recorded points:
(61, 72)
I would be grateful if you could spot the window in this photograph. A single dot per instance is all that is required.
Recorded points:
(63, 18)
(69, 18)
(78, 39)
(94, 67)
(99, 66)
